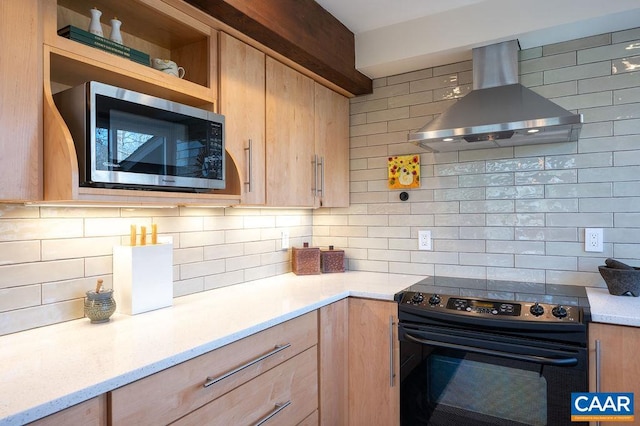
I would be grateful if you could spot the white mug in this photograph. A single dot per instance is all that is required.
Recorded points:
(167, 66)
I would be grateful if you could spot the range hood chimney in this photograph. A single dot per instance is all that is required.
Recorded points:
(499, 111)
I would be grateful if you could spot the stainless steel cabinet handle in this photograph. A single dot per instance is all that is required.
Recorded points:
(213, 380)
(598, 362)
(392, 373)
(321, 164)
(249, 149)
(314, 162)
(276, 410)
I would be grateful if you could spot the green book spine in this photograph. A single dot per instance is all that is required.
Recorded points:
(85, 37)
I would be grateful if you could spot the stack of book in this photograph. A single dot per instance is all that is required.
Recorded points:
(85, 37)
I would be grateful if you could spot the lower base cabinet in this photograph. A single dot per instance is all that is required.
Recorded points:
(92, 412)
(614, 361)
(237, 384)
(374, 352)
(337, 366)
(284, 395)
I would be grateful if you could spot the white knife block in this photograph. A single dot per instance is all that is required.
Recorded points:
(142, 277)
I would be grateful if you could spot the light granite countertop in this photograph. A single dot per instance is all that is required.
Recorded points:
(51, 368)
(607, 308)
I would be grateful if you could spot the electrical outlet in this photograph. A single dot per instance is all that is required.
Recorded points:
(285, 239)
(424, 240)
(593, 240)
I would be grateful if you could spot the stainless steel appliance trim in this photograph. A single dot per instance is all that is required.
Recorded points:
(560, 362)
(213, 380)
(278, 407)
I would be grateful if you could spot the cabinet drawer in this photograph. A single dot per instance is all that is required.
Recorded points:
(170, 394)
(286, 395)
(92, 412)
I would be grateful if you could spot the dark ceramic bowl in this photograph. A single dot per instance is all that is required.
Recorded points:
(621, 282)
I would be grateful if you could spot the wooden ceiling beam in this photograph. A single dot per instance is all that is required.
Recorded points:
(300, 30)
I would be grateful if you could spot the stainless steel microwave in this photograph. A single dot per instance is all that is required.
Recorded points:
(126, 139)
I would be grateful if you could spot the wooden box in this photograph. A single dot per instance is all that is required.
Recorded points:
(305, 260)
(331, 260)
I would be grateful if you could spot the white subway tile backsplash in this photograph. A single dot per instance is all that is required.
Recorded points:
(626, 96)
(38, 316)
(514, 192)
(486, 180)
(19, 297)
(459, 219)
(514, 215)
(545, 63)
(38, 272)
(626, 189)
(19, 252)
(513, 219)
(547, 205)
(40, 229)
(578, 72)
(487, 259)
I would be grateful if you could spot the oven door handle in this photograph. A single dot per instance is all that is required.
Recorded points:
(560, 362)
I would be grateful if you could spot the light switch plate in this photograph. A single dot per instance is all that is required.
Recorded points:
(285, 239)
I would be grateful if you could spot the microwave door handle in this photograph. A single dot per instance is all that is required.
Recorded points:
(559, 362)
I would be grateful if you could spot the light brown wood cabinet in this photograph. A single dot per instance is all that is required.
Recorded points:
(242, 102)
(153, 27)
(332, 147)
(374, 349)
(290, 136)
(21, 101)
(284, 395)
(333, 363)
(231, 373)
(619, 364)
(92, 412)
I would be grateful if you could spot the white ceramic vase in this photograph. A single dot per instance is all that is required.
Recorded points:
(115, 36)
(94, 26)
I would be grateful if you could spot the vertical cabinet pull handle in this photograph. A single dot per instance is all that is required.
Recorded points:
(279, 407)
(392, 373)
(314, 162)
(213, 380)
(322, 176)
(598, 363)
(598, 372)
(249, 149)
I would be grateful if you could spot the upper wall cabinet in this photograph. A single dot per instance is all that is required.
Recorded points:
(290, 137)
(242, 102)
(152, 27)
(20, 101)
(332, 148)
(307, 141)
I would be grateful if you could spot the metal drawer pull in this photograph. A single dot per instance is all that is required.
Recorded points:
(213, 380)
(276, 410)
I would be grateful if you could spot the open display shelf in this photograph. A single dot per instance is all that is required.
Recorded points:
(152, 27)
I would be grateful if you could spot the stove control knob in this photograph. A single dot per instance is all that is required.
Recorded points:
(417, 298)
(536, 309)
(559, 311)
(434, 299)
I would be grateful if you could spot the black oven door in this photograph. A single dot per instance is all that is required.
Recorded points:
(462, 377)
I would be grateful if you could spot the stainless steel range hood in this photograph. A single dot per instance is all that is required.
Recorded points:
(498, 111)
